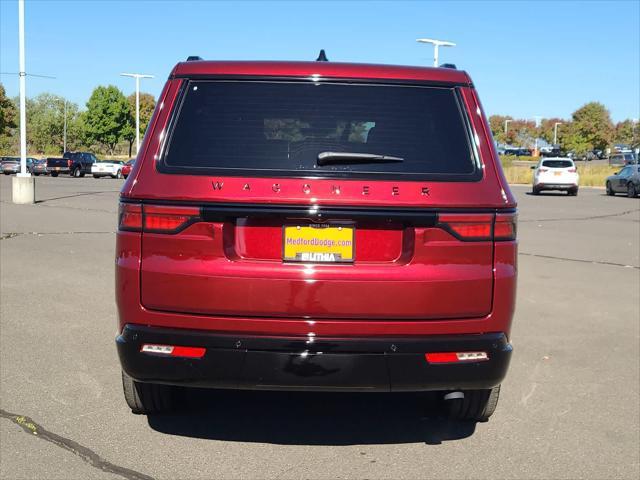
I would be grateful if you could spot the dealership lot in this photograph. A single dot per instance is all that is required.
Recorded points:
(569, 406)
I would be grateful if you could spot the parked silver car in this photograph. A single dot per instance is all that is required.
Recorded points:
(626, 181)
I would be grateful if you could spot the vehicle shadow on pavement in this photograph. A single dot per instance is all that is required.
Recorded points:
(308, 418)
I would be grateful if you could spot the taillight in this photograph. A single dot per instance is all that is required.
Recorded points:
(456, 357)
(69, 163)
(130, 217)
(156, 218)
(505, 227)
(480, 227)
(572, 170)
(173, 350)
(163, 219)
(543, 169)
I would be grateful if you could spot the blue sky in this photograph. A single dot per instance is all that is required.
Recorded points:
(526, 58)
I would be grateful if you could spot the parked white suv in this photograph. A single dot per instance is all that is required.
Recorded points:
(556, 174)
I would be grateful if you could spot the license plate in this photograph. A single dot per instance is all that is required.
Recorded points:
(57, 168)
(318, 243)
(557, 174)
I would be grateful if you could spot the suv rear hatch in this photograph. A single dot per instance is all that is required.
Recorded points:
(327, 211)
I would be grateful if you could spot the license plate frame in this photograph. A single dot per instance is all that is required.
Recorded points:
(319, 251)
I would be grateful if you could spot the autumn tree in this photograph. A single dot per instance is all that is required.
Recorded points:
(547, 128)
(591, 128)
(147, 106)
(627, 132)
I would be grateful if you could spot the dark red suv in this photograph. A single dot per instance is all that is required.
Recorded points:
(316, 226)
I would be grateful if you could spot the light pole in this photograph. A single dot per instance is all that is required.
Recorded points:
(555, 132)
(23, 186)
(137, 76)
(436, 45)
(64, 134)
(506, 125)
(23, 94)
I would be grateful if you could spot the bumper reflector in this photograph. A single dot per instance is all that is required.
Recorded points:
(456, 357)
(173, 351)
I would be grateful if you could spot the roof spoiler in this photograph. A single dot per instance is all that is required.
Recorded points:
(193, 58)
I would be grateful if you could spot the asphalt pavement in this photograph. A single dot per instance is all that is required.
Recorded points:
(569, 408)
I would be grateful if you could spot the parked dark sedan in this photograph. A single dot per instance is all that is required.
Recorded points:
(626, 181)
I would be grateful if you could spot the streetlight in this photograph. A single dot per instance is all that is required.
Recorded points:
(64, 134)
(137, 76)
(23, 94)
(506, 125)
(436, 44)
(555, 132)
(23, 184)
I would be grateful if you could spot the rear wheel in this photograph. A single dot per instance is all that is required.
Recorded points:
(76, 173)
(477, 405)
(147, 398)
(609, 189)
(96, 176)
(631, 190)
(535, 191)
(573, 192)
(119, 174)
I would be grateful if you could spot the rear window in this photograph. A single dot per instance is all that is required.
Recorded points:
(557, 163)
(252, 128)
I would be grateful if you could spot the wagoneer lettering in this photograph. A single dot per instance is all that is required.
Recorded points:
(286, 202)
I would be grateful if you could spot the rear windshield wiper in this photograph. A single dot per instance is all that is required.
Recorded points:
(326, 158)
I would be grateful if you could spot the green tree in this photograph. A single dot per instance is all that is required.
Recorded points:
(591, 128)
(45, 123)
(147, 106)
(107, 116)
(8, 123)
(8, 113)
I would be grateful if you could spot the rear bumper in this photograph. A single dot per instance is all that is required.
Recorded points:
(298, 363)
(58, 170)
(556, 186)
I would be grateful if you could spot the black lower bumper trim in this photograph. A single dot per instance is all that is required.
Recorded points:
(347, 364)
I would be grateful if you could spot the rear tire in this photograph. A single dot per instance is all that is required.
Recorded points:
(535, 191)
(54, 174)
(147, 398)
(610, 191)
(573, 193)
(96, 176)
(119, 174)
(76, 173)
(631, 190)
(477, 405)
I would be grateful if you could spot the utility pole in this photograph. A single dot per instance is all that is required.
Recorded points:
(555, 132)
(137, 76)
(436, 45)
